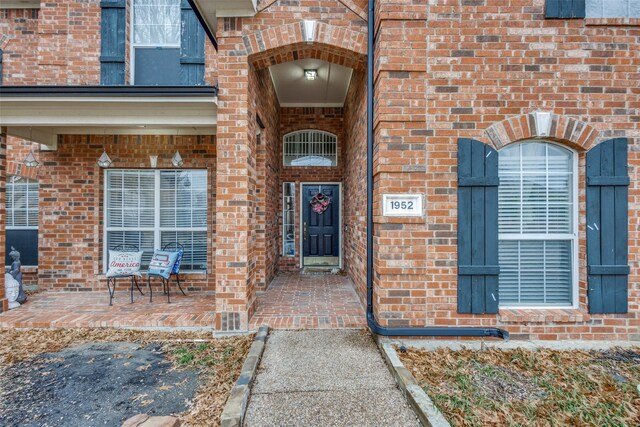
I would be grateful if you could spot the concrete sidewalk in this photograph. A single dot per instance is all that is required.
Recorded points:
(325, 378)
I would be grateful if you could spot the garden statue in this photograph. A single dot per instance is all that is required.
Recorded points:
(17, 274)
(11, 290)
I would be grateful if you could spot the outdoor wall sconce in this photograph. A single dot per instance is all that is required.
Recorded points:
(104, 161)
(309, 31)
(30, 161)
(311, 74)
(153, 160)
(177, 160)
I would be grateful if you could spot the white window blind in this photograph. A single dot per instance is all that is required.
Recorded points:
(156, 22)
(537, 229)
(310, 148)
(152, 208)
(613, 8)
(22, 203)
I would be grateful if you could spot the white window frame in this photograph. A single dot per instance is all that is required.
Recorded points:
(302, 131)
(11, 182)
(157, 229)
(133, 45)
(284, 219)
(573, 237)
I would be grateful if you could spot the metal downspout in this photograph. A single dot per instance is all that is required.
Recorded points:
(375, 327)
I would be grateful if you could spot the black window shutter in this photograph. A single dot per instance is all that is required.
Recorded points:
(477, 227)
(0, 67)
(607, 227)
(565, 9)
(191, 48)
(113, 38)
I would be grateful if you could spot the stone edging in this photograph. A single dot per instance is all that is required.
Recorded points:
(236, 406)
(419, 401)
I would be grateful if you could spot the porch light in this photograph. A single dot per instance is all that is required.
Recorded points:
(153, 160)
(309, 31)
(310, 74)
(104, 161)
(31, 160)
(177, 160)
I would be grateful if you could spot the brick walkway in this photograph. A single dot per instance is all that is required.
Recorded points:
(299, 301)
(91, 309)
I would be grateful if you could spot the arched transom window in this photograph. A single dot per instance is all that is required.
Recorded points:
(310, 148)
(537, 225)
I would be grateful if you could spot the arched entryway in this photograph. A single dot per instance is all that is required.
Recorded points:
(306, 78)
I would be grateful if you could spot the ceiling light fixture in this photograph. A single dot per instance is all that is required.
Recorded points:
(309, 31)
(311, 74)
(177, 160)
(31, 161)
(104, 161)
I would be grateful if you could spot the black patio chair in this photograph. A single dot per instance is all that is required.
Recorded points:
(175, 271)
(134, 279)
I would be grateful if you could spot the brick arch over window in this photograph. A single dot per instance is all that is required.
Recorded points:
(286, 43)
(567, 130)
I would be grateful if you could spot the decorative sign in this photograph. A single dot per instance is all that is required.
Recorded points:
(402, 204)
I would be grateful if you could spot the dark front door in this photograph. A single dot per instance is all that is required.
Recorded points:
(321, 224)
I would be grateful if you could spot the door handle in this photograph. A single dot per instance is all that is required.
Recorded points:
(304, 231)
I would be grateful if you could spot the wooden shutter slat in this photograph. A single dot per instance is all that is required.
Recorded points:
(113, 40)
(192, 58)
(607, 215)
(477, 228)
(565, 9)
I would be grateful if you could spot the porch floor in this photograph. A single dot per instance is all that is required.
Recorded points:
(92, 310)
(309, 301)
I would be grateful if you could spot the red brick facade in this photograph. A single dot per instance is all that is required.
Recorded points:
(71, 203)
(443, 70)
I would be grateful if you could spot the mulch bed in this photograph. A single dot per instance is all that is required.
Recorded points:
(531, 388)
(217, 362)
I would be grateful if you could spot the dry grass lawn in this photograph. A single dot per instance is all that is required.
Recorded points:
(531, 388)
(218, 361)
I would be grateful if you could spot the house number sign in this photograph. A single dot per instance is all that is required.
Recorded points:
(402, 205)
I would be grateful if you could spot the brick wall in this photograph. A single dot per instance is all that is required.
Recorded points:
(293, 119)
(266, 121)
(19, 43)
(472, 66)
(59, 44)
(71, 203)
(355, 183)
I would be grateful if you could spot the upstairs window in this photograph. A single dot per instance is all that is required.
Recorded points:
(156, 23)
(156, 42)
(537, 225)
(613, 8)
(310, 148)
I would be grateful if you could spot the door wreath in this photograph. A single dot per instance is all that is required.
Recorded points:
(319, 203)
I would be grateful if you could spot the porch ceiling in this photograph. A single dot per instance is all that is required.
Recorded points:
(42, 113)
(329, 89)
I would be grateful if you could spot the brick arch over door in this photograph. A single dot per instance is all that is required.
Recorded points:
(286, 43)
(566, 130)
